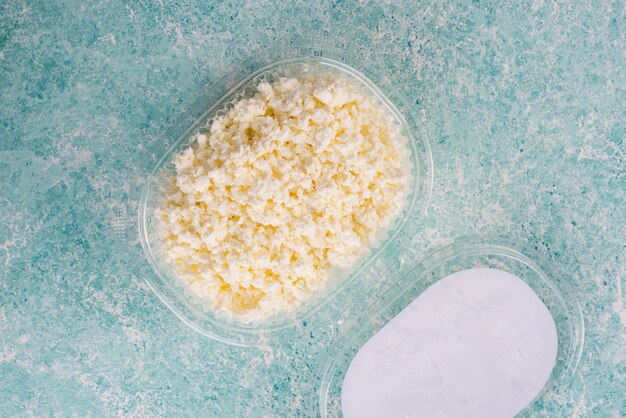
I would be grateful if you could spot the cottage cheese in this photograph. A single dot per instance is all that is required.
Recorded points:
(290, 185)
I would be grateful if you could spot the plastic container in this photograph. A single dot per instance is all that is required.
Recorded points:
(414, 278)
(329, 303)
(349, 308)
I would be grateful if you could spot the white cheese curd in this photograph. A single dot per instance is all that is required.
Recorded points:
(294, 183)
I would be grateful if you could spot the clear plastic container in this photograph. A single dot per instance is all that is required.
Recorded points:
(329, 303)
(414, 278)
(348, 307)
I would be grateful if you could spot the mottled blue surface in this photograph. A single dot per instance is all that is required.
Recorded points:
(524, 104)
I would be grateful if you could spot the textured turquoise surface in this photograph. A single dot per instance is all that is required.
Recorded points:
(524, 105)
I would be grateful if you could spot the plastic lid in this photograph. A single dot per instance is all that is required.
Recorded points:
(477, 343)
(509, 259)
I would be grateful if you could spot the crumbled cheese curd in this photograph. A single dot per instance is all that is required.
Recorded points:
(290, 185)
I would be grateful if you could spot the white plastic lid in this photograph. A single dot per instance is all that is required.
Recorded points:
(477, 343)
(474, 328)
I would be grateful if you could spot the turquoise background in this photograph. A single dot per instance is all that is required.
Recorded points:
(524, 104)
